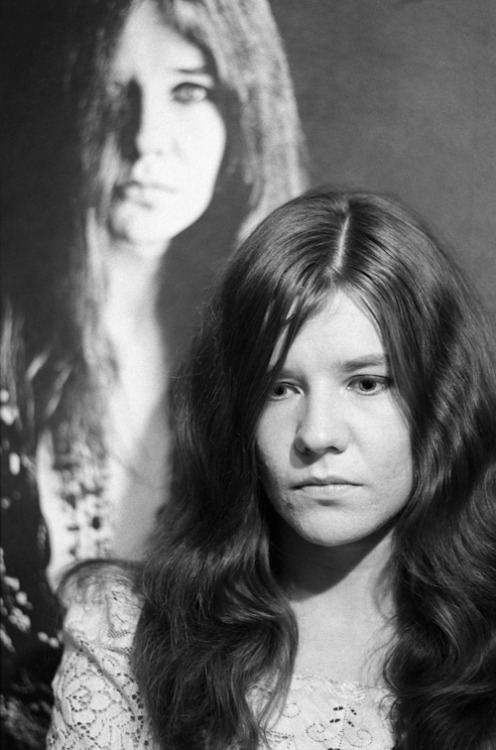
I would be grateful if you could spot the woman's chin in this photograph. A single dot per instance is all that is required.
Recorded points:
(149, 229)
(143, 235)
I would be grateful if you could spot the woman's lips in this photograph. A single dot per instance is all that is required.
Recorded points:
(323, 481)
(328, 488)
(144, 191)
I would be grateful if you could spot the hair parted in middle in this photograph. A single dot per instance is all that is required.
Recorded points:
(215, 619)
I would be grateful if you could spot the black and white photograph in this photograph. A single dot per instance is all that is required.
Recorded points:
(248, 374)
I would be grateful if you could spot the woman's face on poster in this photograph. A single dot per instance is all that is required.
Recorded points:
(178, 133)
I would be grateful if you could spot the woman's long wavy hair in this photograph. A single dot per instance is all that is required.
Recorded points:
(56, 355)
(215, 619)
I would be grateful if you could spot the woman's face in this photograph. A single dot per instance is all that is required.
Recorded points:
(333, 440)
(178, 136)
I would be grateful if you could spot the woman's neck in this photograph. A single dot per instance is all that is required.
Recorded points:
(132, 280)
(342, 602)
(135, 333)
(333, 572)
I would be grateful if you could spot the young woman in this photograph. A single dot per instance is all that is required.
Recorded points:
(187, 135)
(327, 576)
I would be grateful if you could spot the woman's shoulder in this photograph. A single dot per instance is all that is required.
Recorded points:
(102, 610)
(97, 701)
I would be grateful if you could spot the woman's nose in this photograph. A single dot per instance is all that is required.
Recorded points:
(155, 132)
(323, 428)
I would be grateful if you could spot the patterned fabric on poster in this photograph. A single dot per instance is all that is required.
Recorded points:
(31, 616)
(31, 647)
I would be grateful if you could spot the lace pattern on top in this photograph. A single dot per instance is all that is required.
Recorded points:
(322, 713)
(97, 703)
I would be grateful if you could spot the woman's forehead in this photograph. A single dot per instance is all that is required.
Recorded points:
(340, 329)
(147, 33)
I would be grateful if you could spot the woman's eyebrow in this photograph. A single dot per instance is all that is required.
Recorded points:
(195, 70)
(367, 360)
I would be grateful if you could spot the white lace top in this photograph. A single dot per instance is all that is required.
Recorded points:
(98, 706)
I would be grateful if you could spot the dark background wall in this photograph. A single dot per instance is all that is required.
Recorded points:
(400, 97)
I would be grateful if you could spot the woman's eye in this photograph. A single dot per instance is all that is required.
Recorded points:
(281, 390)
(190, 93)
(370, 385)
